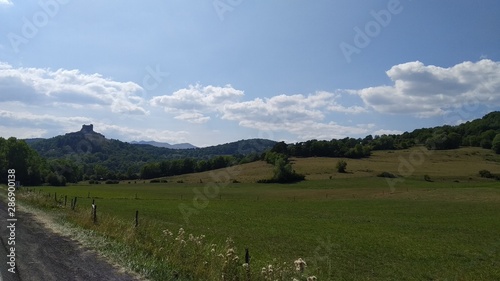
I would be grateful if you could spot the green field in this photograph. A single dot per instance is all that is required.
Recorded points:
(352, 226)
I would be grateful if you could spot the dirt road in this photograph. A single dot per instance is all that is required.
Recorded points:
(42, 255)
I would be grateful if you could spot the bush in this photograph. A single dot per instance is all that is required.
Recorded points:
(386, 175)
(486, 174)
(112, 182)
(283, 172)
(341, 166)
(427, 178)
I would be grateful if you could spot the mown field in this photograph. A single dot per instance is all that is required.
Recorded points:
(352, 226)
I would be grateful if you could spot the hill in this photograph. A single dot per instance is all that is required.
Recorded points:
(166, 145)
(87, 148)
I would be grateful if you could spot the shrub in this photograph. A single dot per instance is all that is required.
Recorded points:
(341, 166)
(386, 175)
(486, 174)
(427, 178)
(112, 182)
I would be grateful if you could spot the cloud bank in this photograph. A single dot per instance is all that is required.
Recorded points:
(426, 91)
(417, 90)
(45, 87)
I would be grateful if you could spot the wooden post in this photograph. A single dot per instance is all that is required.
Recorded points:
(247, 262)
(136, 218)
(74, 204)
(55, 196)
(94, 207)
(65, 199)
(247, 256)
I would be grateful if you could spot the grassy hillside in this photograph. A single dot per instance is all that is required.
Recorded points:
(446, 165)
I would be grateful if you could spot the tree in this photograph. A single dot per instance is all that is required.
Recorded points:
(16, 154)
(496, 144)
(280, 147)
(341, 166)
(283, 172)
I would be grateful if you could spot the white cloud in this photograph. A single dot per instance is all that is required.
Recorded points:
(192, 103)
(300, 115)
(37, 125)
(44, 87)
(6, 2)
(131, 134)
(28, 125)
(387, 132)
(194, 117)
(426, 91)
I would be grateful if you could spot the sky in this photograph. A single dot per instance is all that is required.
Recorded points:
(217, 71)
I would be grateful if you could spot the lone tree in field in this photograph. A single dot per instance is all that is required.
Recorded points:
(341, 166)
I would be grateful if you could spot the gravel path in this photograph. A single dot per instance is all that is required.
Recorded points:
(42, 255)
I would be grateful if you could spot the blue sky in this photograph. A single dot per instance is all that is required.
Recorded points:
(217, 71)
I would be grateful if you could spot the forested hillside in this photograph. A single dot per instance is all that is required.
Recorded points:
(482, 132)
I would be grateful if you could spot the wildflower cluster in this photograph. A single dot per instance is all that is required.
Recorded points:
(186, 251)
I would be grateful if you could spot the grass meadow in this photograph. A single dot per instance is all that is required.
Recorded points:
(352, 226)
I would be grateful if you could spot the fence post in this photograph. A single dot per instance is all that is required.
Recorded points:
(65, 199)
(136, 218)
(74, 204)
(247, 261)
(94, 208)
(55, 196)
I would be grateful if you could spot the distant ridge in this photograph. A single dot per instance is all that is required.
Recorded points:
(166, 145)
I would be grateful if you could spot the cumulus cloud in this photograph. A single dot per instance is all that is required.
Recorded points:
(131, 134)
(426, 91)
(387, 132)
(300, 115)
(5, 2)
(29, 125)
(38, 86)
(192, 103)
(26, 124)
